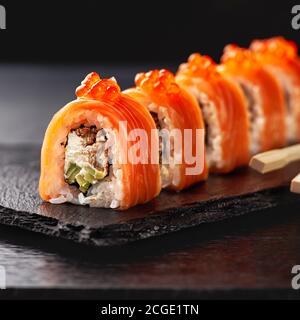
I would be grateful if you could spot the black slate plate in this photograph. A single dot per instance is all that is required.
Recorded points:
(221, 197)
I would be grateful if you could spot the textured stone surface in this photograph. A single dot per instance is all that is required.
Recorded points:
(218, 199)
(247, 256)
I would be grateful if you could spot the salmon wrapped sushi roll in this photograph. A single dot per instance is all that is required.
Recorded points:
(174, 111)
(281, 58)
(84, 153)
(224, 110)
(265, 98)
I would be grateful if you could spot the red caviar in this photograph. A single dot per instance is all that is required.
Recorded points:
(276, 47)
(244, 58)
(95, 88)
(157, 81)
(199, 66)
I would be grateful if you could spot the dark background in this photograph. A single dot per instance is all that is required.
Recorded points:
(128, 31)
(46, 51)
(50, 46)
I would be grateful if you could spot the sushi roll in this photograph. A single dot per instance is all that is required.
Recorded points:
(83, 159)
(265, 97)
(174, 110)
(224, 110)
(281, 58)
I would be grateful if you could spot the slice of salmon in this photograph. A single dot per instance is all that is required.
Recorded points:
(158, 89)
(101, 103)
(281, 58)
(226, 107)
(243, 66)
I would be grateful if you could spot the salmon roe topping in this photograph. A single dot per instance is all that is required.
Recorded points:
(95, 88)
(158, 81)
(239, 57)
(277, 47)
(199, 66)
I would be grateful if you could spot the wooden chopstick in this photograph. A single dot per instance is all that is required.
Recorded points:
(295, 184)
(275, 159)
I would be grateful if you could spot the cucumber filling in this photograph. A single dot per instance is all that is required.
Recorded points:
(86, 161)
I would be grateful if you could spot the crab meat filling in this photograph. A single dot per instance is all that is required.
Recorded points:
(86, 159)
